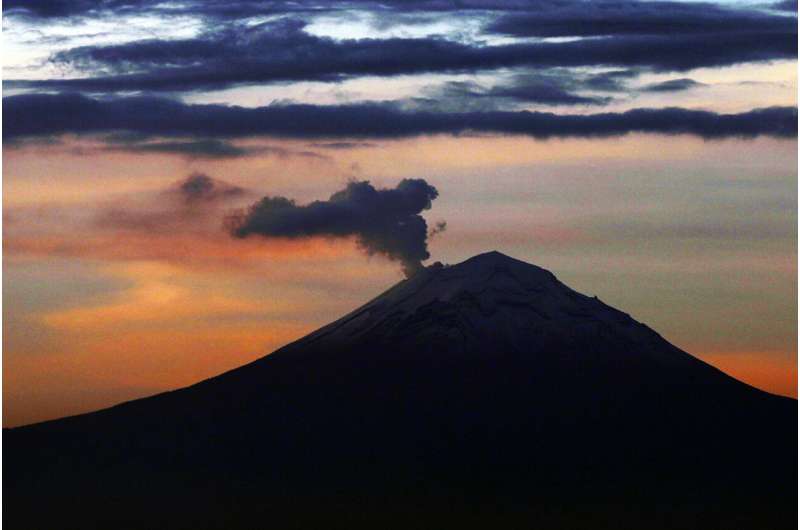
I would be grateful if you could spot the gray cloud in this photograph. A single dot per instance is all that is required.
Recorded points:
(386, 222)
(196, 200)
(34, 115)
(343, 145)
(785, 5)
(672, 85)
(611, 81)
(190, 149)
(199, 187)
(626, 17)
(240, 53)
(201, 148)
(437, 229)
(543, 88)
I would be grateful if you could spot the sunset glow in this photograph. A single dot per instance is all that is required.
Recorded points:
(118, 286)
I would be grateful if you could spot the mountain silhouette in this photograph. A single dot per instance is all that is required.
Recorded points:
(485, 394)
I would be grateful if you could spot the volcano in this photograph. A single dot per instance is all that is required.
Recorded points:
(485, 394)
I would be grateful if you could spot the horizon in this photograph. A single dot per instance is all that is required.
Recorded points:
(188, 188)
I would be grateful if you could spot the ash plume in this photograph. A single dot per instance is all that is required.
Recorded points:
(199, 187)
(383, 221)
(438, 228)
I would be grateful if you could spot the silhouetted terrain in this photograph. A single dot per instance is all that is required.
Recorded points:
(486, 394)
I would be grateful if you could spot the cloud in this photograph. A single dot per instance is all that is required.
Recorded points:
(437, 229)
(32, 141)
(199, 187)
(555, 16)
(210, 149)
(209, 249)
(593, 18)
(383, 221)
(672, 85)
(189, 205)
(785, 5)
(611, 81)
(543, 89)
(235, 44)
(60, 9)
(193, 149)
(180, 225)
(51, 9)
(343, 145)
(33, 115)
(231, 54)
(540, 88)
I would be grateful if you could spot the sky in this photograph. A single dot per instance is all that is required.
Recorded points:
(188, 186)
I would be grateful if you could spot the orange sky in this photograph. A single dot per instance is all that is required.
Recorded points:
(695, 238)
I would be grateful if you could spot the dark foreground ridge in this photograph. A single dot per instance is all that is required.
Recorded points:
(481, 395)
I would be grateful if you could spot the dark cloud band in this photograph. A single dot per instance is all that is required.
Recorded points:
(606, 15)
(614, 17)
(224, 60)
(240, 50)
(40, 115)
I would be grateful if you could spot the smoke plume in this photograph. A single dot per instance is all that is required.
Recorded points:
(383, 221)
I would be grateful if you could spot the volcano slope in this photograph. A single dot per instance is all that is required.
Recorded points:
(480, 395)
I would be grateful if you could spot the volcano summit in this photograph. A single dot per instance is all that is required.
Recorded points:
(485, 394)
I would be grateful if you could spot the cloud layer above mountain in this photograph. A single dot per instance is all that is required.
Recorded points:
(283, 50)
(475, 65)
(49, 115)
